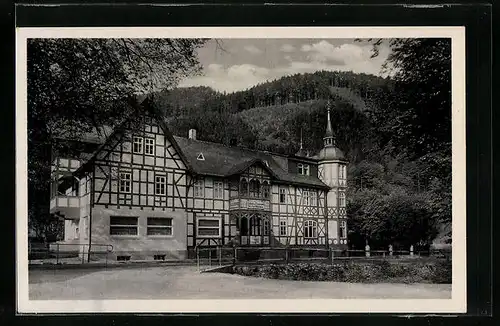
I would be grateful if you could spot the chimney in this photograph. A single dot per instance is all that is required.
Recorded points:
(192, 134)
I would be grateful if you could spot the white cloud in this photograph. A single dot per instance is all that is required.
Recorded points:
(345, 53)
(322, 56)
(253, 49)
(287, 48)
(233, 78)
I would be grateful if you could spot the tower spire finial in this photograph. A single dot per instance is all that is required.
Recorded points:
(328, 139)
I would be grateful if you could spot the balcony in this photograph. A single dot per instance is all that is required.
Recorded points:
(67, 206)
(249, 204)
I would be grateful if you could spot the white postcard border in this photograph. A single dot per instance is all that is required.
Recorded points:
(457, 303)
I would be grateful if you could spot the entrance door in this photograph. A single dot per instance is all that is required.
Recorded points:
(254, 230)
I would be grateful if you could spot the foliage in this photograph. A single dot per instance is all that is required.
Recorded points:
(76, 85)
(354, 272)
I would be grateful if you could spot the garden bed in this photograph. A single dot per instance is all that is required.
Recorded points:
(438, 272)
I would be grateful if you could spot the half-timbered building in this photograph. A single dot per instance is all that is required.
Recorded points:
(151, 194)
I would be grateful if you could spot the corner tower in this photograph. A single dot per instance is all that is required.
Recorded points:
(332, 170)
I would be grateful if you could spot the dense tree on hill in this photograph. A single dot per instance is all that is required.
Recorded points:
(413, 119)
(289, 89)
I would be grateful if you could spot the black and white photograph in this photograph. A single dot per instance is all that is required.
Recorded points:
(241, 170)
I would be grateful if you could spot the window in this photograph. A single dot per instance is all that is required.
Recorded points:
(314, 198)
(254, 188)
(341, 199)
(303, 169)
(265, 189)
(159, 226)
(243, 187)
(342, 172)
(123, 225)
(199, 188)
(343, 229)
(208, 228)
(255, 225)
(282, 195)
(149, 147)
(125, 181)
(160, 185)
(282, 228)
(218, 190)
(306, 198)
(266, 227)
(137, 144)
(310, 229)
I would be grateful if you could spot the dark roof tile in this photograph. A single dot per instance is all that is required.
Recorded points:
(222, 160)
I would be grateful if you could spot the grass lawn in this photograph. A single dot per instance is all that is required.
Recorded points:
(183, 282)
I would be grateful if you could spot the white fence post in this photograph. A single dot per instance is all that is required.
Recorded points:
(367, 250)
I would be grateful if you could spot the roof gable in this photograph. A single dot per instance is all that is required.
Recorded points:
(134, 120)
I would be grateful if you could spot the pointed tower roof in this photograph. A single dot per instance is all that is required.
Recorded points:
(329, 150)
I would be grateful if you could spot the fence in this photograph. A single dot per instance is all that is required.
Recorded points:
(62, 252)
(209, 257)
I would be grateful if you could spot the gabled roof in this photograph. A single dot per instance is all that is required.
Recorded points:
(224, 161)
(121, 128)
(219, 160)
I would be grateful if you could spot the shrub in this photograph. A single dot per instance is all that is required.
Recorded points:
(353, 272)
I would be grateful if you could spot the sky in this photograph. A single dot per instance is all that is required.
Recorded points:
(236, 64)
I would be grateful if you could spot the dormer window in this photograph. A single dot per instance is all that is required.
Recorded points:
(200, 157)
(303, 169)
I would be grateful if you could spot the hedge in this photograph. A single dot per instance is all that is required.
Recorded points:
(354, 272)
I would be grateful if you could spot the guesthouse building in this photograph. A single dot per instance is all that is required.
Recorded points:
(150, 194)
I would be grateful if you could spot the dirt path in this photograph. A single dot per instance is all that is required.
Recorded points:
(187, 283)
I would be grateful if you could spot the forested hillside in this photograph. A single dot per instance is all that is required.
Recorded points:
(395, 132)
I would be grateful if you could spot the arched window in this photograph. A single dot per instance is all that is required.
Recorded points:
(254, 188)
(300, 168)
(265, 189)
(310, 229)
(243, 187)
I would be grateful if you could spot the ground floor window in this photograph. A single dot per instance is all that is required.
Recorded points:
(343, 229)
(123, 225)
(209, 227)
(310, 229)
(266, 227)
(160, 226)
(255, 225)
